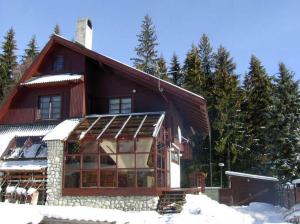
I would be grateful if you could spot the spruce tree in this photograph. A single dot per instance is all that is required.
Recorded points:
(226, 102)
(257, 111)
(175, 71)
(56, 30)
(193, 75)
(286, 122)
(146, 52)
(8, 60)
(206, 55)
(31, 51)
(162, 71)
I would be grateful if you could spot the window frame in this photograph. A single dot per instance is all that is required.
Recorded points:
(58, 63)
(120, 104)
(50, 107)
(115, 188)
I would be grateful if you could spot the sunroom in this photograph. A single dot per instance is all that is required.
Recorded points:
(118, 155)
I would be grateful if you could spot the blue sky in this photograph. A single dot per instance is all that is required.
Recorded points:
(270, 29)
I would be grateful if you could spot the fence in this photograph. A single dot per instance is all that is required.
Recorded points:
(286, 195)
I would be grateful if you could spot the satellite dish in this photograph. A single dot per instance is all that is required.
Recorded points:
(179, 135)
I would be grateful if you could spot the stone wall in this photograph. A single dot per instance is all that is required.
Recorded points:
(54, 187)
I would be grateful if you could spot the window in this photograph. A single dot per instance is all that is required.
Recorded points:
(58, 63)
(120, 105)
(49, 107)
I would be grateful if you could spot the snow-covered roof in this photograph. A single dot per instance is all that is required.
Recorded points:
(53, 79)
(231, 173)
(23, 165)
(297, 181)
(62, 131)
(8, 132)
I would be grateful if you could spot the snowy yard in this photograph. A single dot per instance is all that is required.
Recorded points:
(198, 209)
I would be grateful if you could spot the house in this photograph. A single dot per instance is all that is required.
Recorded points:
(88, 130)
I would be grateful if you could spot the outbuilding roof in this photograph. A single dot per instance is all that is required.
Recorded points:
(28, 165)
(247, 175)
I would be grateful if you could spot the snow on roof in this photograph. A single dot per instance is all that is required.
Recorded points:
(8, 132)
(297, 181)
(52, 79)
(62, 131)
(231, 173)
(23, 165)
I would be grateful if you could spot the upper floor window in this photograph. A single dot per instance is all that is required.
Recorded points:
(58, 63)
(49, 107)
(120, 105)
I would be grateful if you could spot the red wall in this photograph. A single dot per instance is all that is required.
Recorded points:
(73, 62)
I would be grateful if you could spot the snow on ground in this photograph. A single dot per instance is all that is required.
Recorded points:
(199, 209)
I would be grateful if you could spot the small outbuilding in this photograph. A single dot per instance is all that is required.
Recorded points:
(245, 188)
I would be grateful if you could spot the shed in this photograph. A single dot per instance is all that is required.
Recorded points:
(245, 188)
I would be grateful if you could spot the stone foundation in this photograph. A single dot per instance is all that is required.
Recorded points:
(54, 189)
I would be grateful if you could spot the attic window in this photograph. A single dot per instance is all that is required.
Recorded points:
(58, 63)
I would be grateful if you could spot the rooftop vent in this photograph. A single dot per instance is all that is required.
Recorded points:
(84, 33)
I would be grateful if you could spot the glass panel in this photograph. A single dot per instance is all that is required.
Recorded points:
(145, 178)
(89, 179)
(126, 146)
(89, 147)
(144, 160)
(90, 162)
(160, 161)
(73, 147)
(72, 179)
(144, 144)
(72, 162)
(126, 105)
(126, 161)
(56, 99)
(161, 179)
(126, 178)
(44, 99)
(108, 178)
(114, 106)
(107, 161)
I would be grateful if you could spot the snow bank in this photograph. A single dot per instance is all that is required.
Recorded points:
(263, 212)
(199, 209)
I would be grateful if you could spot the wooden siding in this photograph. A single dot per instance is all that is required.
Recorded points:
(73, 62)
(24, 107)
(77, 101)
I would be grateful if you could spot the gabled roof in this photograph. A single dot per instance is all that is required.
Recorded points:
(190, 104)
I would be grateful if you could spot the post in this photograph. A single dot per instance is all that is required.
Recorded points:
(221, 174)
(210, 164)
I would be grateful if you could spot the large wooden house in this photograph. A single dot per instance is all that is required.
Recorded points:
(94, 131)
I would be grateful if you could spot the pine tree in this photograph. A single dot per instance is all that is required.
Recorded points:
(286, 122)
(8, 60)
(162, 71)
(175, 71)
(227, 96)
(146, 52)
(193, 75)
(56, 30)
(206, 55)
(31, 51)
(257, 110)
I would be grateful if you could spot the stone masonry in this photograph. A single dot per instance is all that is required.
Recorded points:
(54, 189)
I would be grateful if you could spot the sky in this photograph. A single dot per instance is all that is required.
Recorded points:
(269, 29)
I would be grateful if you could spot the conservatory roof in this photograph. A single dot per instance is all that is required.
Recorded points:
(53, 79)
(118, 125)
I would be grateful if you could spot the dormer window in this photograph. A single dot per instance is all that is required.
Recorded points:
(58, 63)
(120, 105)
(49, 107)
